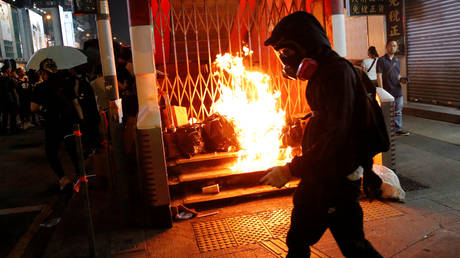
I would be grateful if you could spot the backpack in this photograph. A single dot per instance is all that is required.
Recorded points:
(374, 135)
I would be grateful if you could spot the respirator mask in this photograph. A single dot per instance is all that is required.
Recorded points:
(294, 66)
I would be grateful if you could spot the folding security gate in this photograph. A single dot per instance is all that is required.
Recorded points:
(189, 34)
(433, 60)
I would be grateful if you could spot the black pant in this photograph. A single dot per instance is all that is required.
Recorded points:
(53, 138)
(310, 218)
(8, 116)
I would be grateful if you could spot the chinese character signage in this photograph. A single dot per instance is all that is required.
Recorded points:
(394, 18)
(365, 7)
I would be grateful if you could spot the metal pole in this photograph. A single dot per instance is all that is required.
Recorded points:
(151, 156)
(338, 27)
(388, 107)
(84, 184)
(115, 111)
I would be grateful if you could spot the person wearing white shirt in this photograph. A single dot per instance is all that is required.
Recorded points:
(369, 64)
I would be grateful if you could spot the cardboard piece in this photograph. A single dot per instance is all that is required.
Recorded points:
(180, 117)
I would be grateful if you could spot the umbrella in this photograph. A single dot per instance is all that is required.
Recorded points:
(65, 57)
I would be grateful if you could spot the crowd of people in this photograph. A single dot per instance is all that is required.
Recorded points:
(16, 87)
(56, 99)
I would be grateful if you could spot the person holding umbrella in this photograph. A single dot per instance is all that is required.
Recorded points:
(57, 100)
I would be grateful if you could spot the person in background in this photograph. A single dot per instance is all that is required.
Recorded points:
(34, 78)
(56, 98)
(369, 64)
(128, 94)
(388, 77)
(9, 100)
(24, 91)
(330, 166)
(87, 101)
(98, 85)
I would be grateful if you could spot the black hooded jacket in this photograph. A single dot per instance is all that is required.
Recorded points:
(329, 144)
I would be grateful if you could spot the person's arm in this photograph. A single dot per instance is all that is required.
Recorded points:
(78, 109)
(379, 80)
(379, 71)
(363, 65)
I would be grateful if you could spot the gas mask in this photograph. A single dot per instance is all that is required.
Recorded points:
(307, 69)
(294, 66)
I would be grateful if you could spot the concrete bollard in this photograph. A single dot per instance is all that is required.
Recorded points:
(387, 102)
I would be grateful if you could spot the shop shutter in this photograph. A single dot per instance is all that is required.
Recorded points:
(433, 51)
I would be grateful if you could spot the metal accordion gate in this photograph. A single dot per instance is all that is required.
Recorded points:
(190, 33)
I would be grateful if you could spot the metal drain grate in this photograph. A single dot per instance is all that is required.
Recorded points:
(263, 226)
(248, 229)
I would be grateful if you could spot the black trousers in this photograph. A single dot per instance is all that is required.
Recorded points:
(54, 136)
(311, 217)
(8, 116)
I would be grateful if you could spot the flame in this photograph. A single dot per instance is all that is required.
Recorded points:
(247, 100)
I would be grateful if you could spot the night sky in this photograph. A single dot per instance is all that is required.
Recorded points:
(119, 20)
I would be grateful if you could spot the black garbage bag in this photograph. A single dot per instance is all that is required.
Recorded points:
(189, 140)
(219, 134)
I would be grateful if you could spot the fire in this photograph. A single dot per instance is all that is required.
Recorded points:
(248, 101)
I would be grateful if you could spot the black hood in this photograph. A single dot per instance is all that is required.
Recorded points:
(305, 30)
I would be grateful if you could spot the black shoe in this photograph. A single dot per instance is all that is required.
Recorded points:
(402, 133)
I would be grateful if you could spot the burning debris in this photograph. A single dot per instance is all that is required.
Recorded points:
(246, 118)
(219, 134)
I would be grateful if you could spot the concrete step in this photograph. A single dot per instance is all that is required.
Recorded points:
(433, 112)
(226, 195)
(187, 178)
(201, 162)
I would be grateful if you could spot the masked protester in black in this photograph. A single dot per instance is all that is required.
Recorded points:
(330, 166)
(56, 99)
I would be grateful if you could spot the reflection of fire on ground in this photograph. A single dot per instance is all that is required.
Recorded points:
(247, 118)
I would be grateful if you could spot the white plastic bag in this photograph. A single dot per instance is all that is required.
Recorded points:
(391, 188)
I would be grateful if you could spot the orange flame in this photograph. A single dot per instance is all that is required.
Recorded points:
(247, 100)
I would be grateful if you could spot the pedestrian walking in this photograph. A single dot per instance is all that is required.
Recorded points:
(330, 166)
(389, 78)
(369, 64)
(56, 99)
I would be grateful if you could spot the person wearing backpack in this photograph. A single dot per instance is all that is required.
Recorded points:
(56, 99)
(369, 64)
(333, 157)
(388, 78)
